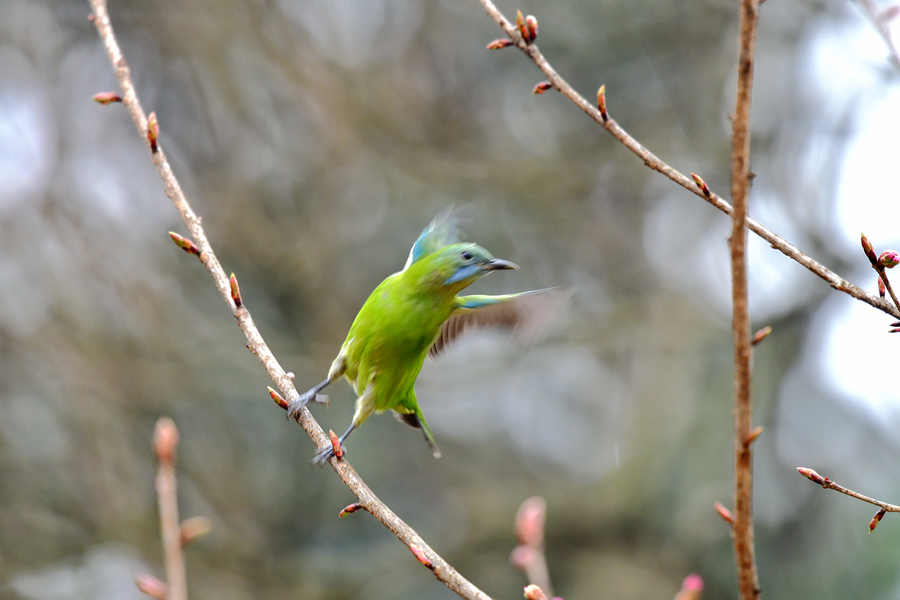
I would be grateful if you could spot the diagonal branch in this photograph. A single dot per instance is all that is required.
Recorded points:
(367, 499)
(742, 530)
(653, 162)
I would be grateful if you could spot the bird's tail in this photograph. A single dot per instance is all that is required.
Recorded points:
(417, 420)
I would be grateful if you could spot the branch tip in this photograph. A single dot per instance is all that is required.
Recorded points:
(277, 398)
(724, 513)
(500, 43)
(889, 259)
(523, 27)
(531, 24)
(151, 586)
(812, 475)
(761, 335)
(335, 444)
(350, 509)
(185, 244)
(165, 440)
(533, 592)
(194, 528)
(420, 556)
(876, 520)
(702, 185)
(868, 249)
(107, 98)
(541, 87)
(153, 132)
(601, 102)
(752, 435)
(235, 291)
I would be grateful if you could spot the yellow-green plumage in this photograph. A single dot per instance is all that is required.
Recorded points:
(413, 314)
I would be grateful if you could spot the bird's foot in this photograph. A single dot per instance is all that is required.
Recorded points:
(293, 409)
(323, 456)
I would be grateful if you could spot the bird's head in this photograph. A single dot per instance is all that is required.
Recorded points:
(460, 265)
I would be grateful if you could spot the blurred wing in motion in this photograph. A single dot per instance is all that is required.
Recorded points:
(526, 316)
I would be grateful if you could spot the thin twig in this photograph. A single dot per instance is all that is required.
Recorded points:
(441, 569)
(831, 485)
(887, 284)
(652, 161)
(165, 442)
(742, 530)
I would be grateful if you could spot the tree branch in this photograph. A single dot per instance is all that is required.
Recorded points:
(165, 441)
(653, 162)
(831, 485)
(367, 499)
(742, 530)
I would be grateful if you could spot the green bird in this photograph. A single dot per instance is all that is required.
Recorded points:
(416, 313)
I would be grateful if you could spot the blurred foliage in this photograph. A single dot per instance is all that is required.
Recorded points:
(316, 138)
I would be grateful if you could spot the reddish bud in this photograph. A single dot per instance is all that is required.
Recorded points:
(889, 259)
(691, 588)
(761, 335)
(531, 25)
(876, 520)
(235, 291)
(150, 585)
(420, 556)
(500, 43)
(868, 249)
(185, 244)
(350, 509)
(335, 444)
(91, 18)
(523, 29)
(278, 399)
(153, 132)
(724, 513)
(702, 185)
(812, 475)
(752, 435)
(106, 98)
(533, 592)
(530, 520)
(881, 289)
(194, 528)
(601, 102)
(541, 88)
(894, 330)
(523, 557)
(165, 440)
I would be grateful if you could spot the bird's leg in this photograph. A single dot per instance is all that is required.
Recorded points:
(293, 410)
(338, 368)
(365, 406)
(327, 452)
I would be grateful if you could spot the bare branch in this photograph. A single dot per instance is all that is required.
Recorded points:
(742, 529)
(653, 162)
(165, 442)
(367, 499)
(831, 485)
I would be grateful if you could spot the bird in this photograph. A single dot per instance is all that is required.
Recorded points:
(415, 314)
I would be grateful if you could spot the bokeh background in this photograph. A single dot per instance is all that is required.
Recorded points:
(316, 138)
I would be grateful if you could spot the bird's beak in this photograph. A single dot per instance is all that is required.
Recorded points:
(498, 264)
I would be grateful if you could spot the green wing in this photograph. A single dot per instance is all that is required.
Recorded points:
(525, 315)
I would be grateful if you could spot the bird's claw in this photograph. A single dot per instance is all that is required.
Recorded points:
(324, 454)
(294, 407)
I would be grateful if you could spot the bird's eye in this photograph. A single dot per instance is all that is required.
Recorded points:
(466, 255)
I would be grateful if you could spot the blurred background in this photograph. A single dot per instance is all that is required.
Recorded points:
(317, 138)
